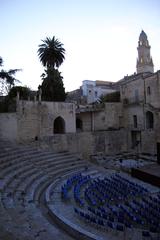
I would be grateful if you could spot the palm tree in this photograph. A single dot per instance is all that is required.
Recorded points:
(51, 53)
(8, 76)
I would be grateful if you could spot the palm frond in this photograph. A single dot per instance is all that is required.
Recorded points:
(51, 52)
(13, 71)
(1, 61)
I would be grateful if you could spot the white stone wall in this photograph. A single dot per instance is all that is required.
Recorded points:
(8, 126)
(93, 92)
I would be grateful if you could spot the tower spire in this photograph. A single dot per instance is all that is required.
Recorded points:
(144, 61)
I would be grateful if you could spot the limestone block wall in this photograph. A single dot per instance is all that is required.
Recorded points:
(86, 118)
(8, 126)
(64, 110)
(133, 90)
(116, 142)
(28, 120)
(149, 142)
(88, 143)
(36, 119)
(109, 118)
(113, 113)
(129, 112)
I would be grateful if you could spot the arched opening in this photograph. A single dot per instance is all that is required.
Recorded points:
(149, 120)
(79, 125)
(59, 125)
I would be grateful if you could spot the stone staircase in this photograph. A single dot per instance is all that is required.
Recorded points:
(25, 174)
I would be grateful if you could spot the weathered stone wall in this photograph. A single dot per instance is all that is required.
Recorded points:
(28, 120)
(88, 143)
(148, 142)
(113, 113)
(86, 118)
(133, 90)
(104, 119)
(153, 97)
(142, 95)
(148, 136)
(8, 126)
(109, 118)
(129, 112)
(36, 119)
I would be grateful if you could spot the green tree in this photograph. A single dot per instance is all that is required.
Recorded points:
(51, 55)
(9, 101)
(110, 97)
(7, 78)
(24, 92)
(52, 86)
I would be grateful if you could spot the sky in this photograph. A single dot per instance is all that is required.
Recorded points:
(100, 37)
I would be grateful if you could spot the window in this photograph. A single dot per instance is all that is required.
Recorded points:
(136, 93)
(96, 94)
(79, 125)
(149, 120)
(148, 90)
(120, 121)
(135, 121)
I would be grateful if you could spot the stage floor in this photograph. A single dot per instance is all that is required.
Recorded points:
(148, 173)
(153, 169)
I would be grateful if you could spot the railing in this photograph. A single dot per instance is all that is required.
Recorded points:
(90, 108)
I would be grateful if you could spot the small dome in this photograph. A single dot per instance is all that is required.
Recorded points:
(143, 36)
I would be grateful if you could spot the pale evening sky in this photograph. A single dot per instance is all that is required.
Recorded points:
(100, 37)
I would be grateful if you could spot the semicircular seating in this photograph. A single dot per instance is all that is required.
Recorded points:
(38, 187)
(25, 173)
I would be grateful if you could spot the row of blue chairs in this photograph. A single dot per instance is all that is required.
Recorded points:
(92, 219)
(77, 189)
(112, 189)
(68, 185)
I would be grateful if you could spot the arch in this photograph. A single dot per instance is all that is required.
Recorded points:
(59, 125)
(149, 120)
(79, 125)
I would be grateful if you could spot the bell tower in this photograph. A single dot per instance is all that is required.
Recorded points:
(144, 61)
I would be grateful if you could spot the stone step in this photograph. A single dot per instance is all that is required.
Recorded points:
(32, 160)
